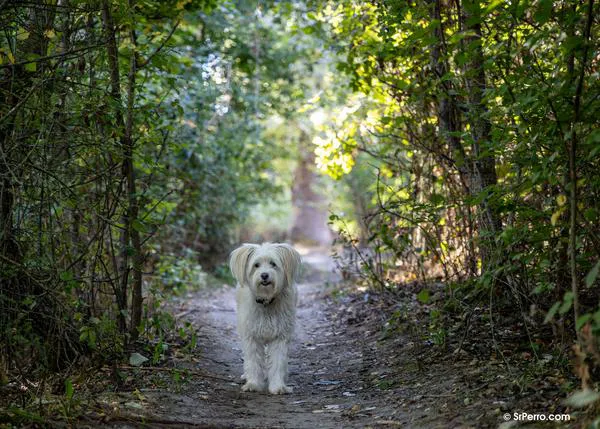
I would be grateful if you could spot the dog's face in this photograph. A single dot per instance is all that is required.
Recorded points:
(266, 269)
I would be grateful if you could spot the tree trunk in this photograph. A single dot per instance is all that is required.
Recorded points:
(115, 92)
(449, 122)
(8, 246)
(448, 113)
(483, 162)
(130, 234)
(572, 155)
(133, 201)
(310, 217)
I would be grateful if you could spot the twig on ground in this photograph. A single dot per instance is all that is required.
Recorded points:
(167, 369)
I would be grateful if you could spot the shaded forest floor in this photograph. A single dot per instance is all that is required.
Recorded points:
(359, 360)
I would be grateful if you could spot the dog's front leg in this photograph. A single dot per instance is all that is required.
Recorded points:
(254, 371)
(278, 362)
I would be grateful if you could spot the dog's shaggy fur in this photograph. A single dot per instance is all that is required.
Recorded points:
(266, 311)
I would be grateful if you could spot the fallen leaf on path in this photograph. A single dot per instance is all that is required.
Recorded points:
(333, 408)
(137, 359)
(582, 398)
(326, 382)
(388, 422)
(138, 395)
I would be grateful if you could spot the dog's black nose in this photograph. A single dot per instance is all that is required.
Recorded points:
(264, 276)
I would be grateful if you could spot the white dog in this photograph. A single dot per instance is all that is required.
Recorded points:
(266, 311)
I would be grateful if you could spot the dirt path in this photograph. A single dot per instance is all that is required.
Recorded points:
(329, 371)
(345, 372)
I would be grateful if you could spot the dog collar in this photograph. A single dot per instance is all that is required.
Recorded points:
(263, 302)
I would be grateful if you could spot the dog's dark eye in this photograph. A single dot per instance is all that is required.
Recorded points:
(273, 264)
(256, 265)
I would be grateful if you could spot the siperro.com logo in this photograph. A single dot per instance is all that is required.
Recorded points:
(528, 417)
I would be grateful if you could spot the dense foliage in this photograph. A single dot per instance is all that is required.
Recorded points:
(479, 125)
(132, 150)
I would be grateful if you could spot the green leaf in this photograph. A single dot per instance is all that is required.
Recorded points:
(567, 303)
(592, 275)
(423, 296)
(582, 398)
(92, 339)
(69, 389)
(22, 34)
(590, 214)
(572, 43)
(437, 199)
(308, 30)
(139, 226)
(544, 11)
(556, 215)
(31, 67)
(66, 276)
(581, 320)
(552, 312)
(493, 5)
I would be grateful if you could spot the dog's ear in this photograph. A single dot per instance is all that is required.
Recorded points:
(238, 261)
(291, 260)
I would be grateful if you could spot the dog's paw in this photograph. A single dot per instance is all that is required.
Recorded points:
(252, 387)
(280, 389)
